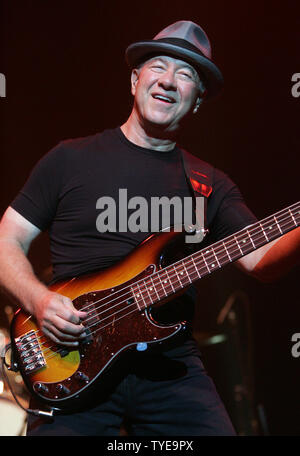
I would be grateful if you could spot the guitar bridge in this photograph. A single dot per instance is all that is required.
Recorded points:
(30, 352)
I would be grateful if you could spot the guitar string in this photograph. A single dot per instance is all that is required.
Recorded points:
(115, 320)
(173, 275)
(108, 324)
(132, 305)
(193, 275)
(155, 287)
(208, 270)
(196, 256)
(187, 260)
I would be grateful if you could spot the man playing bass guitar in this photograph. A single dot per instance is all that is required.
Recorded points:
(165, 389)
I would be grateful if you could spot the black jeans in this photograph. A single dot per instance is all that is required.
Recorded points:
(163, 394)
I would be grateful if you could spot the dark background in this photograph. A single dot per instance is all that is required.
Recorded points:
(66, 77)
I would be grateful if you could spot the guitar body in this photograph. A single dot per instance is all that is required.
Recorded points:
(63, 378)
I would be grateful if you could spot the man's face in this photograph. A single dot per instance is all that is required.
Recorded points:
(165, 90)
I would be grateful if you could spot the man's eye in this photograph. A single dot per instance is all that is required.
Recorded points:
(186, 75)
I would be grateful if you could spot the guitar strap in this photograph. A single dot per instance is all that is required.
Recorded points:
(199, 176)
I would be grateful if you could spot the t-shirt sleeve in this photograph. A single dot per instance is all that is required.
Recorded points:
(229, 212)
(37, 200)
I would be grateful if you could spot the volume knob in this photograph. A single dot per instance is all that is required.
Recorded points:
(82, 377)
(62, 389)
(41, 388)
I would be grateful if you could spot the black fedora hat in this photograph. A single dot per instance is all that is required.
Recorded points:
(187, 41)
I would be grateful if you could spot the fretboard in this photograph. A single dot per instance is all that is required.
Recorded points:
(181, 274)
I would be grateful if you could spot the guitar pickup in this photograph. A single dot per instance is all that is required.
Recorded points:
(64, 352)
(88, 339)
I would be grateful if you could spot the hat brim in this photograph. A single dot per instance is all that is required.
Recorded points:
(136, 53)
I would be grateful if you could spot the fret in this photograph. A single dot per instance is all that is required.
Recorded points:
(250, 237)
(187, 274)
(208, 270)
(245, 242)
(288, 220)
(170, 281)
(259, 235)
(234, 252)
(221, 254)
(149, 287)
(296, 214)
(178, 278)
(210, 259)
(230, 259)
(154, 288)
(162, 286)
(166, 282)
(136, 295)
(235, 238)
(216, 257)
(140, 294)
(293, 218)
(196, 269)
(274, 217)
(272, 230)
(183, 273)
(173, 278)
(264, 232)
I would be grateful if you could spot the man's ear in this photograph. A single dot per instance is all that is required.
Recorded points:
(134, 79)
(197, 104)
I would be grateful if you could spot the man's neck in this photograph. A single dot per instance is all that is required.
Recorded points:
(138, 135)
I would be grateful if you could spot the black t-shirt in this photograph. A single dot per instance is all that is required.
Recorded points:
(64, 191)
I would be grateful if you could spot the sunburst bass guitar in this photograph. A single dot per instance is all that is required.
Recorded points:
(118, 303)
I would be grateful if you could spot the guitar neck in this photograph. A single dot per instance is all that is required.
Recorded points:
(181, 274)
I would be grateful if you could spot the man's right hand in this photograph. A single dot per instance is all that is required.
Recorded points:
(55, 314)
(59, 320)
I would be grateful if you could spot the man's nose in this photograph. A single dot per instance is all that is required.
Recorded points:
(167, 81)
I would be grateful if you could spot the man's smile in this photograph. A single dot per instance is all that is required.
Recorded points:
(163, 98)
